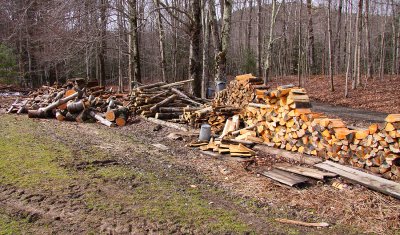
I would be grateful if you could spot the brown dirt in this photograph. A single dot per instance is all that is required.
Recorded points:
(373, 95)
(223, 182)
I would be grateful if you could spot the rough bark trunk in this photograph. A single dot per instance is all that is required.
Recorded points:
(267, 64)
(330, 48)
(259, 39)
(311, 48)
(338, 67)
(134, 57)
(161, 42)
(206, 44)
(368, 41)
(195, 48)
(102, 49)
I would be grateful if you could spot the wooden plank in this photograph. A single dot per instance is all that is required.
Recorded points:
(289, 155)
(285, 177)
(312, 173)
(370, 181)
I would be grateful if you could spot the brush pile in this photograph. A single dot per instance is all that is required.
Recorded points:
(75, 101)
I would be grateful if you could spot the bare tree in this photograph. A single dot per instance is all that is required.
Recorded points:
(161, 38)
(330, 47)
(259, 38)
(267, 65)
(134, 57)
(310, 47)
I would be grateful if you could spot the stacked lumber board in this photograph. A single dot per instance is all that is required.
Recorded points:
(75, 102)
(225, 147)
(284, 120)
(164, 101)
(239, 92)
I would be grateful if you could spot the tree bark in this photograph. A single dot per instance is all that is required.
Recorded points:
(161, 38)
(206, 44)
(102, 49)
(338, 67)
(267, 65)
(195, 47)
(357, 53)
(368, 40)
(134, 57)
(311, 48)
(330, 48)
(259, 39)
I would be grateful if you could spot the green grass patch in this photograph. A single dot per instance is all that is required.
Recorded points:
(115, 173)
(28, 160)
(9, 226)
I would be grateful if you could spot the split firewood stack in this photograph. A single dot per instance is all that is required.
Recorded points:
(284, 120)
(239, 92)
(164, 101)
(75, 101)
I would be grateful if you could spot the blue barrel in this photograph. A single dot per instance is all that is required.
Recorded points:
(220, 85)
(205, 132)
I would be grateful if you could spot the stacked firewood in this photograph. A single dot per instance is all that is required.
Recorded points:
(239, 92)
(216, 116)
(75, 102)
(284, 120)
(164, 101)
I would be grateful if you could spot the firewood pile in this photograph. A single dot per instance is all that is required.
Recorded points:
(75, 101)
(164, 101)
(286, 121)
(239, 92)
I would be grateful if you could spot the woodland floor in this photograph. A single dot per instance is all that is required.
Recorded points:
(70, 178)
(374, 95)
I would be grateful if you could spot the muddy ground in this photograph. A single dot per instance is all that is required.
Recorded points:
(70, 178)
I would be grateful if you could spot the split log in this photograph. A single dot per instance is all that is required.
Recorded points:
(101, 119)
(180, 83)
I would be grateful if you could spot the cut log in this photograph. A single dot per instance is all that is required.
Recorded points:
(101, 119)
(287, 221)
(168, 124)
(167, 115)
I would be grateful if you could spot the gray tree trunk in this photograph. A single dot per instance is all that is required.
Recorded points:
(311, 48)
(134, 57)
(330, 48)
(161, 42)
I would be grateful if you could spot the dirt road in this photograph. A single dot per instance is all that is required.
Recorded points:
(350, 114)
(69, 178)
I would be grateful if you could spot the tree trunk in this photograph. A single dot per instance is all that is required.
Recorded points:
(311, 50)
(357, 53)
(349, 40)
(330, 48)
(249, 27)
(206, 44)
(368, 40)
(120, 41)
(338, 67)
(299, 45)
(267, 64)
(195, 48)
(102, 49)
(134, 57)
(161, 42)
(259, 39)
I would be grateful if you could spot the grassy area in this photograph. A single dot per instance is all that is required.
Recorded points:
(30, 159)
(9, 226)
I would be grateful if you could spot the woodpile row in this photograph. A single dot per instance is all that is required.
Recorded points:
(284, 120)
(75, 101)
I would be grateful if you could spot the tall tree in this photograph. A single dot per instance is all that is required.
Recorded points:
(337, 37)
(330, 47)
(368, 41)
(259, 38)
(102, 49)
(161, 38)
(134, 57)
(195, 47)
(311, 47)
(357, 53)
(267, 64)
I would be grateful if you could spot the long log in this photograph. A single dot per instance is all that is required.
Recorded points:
(167, 115)
(157, 84)
(180, 83)
(12, 105)
(162, 103)
(246, 128)
(59, 102)
(185, 97)
(168, 124)
(101, 119)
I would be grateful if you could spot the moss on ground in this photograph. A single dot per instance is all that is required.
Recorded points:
(9, 226)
